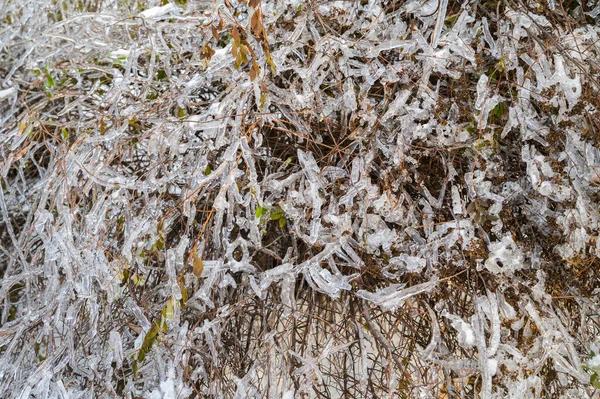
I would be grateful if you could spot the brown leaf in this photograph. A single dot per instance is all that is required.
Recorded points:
(248, 47)
(207, 52)
(254, 71)
(235, 33)
(197, 265)
(256, 23)
(184, 291)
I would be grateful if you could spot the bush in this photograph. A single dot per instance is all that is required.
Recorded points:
(299, 199)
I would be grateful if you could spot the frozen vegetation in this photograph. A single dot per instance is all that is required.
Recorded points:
(288, 199)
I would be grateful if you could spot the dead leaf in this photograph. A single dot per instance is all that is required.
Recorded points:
(197, 265)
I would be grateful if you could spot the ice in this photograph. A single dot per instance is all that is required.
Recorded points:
(166, 391)
(7, 93)
(397, 105)
(119, 54)
(157, 12)
(505, 256)
(349, 96)
(381, 238)
(116, 345)
(466, 337)
(393, 297)
(571, 87)
(594, 13)
(389, 45)
(244, 389)
(594, 362)
(488, 37)
(322, 279)
(421, 8)
(439, 22)
(402, 158)
(311, 171)
(458, 206)
(435, 340)
(412, 264)
(482, 91)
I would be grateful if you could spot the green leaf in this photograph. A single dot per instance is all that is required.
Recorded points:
(153, 95)
(277, 215)
(162, 324)
(169, 309)
(149, 340)
(499, 110)
(124, 276)
(161, 75)
(138, 280)
(160, 244)
(262, 100)
(49, 79)
(260, 211)
(208, 170)
(270, 60)
(282, 222)
(594, 381)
